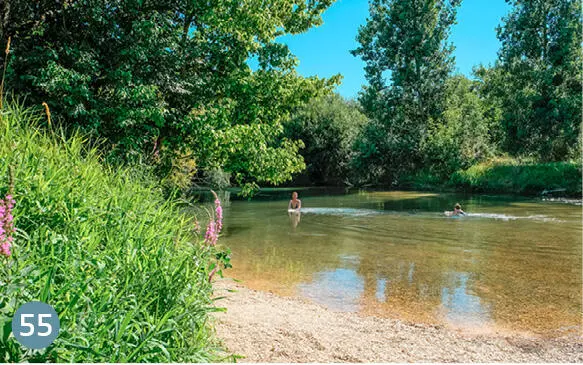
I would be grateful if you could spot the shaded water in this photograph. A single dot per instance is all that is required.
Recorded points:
(512, 264)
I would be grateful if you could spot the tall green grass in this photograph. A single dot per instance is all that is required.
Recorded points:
(508, 175)
(120, 264)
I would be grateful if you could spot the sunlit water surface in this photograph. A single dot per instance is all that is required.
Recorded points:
(512, 264)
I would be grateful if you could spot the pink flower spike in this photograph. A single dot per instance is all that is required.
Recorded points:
(211, 235)
(5, 249)
(6, 225)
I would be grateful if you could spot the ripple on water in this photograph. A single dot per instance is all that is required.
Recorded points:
(564, 200)
(359, 212)
(504, 217)
(350, 212)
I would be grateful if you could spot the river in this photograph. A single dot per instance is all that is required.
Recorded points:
(512, 264)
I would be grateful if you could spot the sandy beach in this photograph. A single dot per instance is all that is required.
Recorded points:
(263, 327)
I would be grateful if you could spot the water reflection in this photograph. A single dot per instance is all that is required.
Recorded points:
(394, 254)
(339, 289)
(294, 218)
(381, 287)
(460, 306)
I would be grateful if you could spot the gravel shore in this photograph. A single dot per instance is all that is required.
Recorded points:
(263, 327)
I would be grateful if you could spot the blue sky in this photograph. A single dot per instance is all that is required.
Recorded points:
(324, 51)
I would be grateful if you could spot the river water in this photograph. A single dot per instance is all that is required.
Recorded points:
(513, 264)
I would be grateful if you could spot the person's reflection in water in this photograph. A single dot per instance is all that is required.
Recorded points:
(294, 218)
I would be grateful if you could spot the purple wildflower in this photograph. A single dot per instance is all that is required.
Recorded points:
(211, 235)
(6, 225)
(219, 215)
(215, 224)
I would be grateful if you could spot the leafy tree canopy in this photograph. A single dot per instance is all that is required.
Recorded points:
(169, 77)
(537, 79)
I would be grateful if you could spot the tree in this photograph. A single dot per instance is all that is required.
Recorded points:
(328, 127)
(169, 77)
(408, 59)
(538, 78)
(464, 136)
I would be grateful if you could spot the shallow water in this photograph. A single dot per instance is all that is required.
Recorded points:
(512, 264)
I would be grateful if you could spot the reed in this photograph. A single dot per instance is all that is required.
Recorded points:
(47, 112)
(7, 51)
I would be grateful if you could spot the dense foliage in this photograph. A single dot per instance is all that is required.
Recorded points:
(328, 127)
(427, 122)
(465, 133)
(120, 264)
(160, 79)
(505, 175)
(537, 79)
(169, 83)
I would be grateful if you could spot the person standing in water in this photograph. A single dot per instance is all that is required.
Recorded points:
(293, 209)
(294, 203)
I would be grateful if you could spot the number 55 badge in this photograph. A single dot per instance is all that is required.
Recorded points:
(35, 325)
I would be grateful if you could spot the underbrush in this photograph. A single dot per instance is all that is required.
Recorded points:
(121, 264)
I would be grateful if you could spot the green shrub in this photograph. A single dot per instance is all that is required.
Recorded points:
(422, 180)
(462, 137)
(120, 264)
(328, 126)
(520, 176)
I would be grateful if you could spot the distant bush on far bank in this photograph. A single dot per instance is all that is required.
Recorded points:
(328, 126)
(507, 175)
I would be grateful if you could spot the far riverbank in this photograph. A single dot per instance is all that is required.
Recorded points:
(508, 176)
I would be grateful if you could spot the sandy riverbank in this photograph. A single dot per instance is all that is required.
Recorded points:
(264, 327)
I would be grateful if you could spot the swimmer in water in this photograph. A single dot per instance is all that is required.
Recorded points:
(457, 210)
(294, 203)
